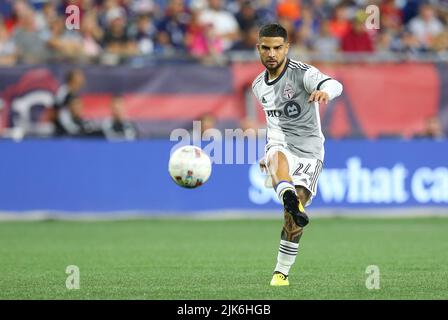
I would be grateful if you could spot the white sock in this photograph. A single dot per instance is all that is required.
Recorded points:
(282, 186)
(287, 253)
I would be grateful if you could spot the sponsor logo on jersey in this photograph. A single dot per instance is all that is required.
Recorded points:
(292, 109)
(274, 113)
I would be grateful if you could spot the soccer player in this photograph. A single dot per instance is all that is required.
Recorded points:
(290, 92)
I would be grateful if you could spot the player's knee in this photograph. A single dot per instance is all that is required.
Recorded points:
(276, 161)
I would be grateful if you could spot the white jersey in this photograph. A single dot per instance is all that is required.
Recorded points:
(293, 122)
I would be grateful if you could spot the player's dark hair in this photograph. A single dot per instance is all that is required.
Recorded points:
(273, 30)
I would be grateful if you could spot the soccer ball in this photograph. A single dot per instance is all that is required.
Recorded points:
(190, 167)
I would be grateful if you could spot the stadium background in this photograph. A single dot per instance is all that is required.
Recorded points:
(386, 152)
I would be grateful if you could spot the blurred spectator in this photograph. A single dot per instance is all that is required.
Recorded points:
(440, 42)
(118, 127)
(410, 10)
(116, 39)
(143, 7)
(92, 36)
(357, 39)
(221, 22)
(46, 15)
(105, 9)
(441, 7)
(340, 24)
(30, 44)
(68, 106)
(289, 9)
(201, 41)
(144, 33)
(248, 41)
(309, 22)
(384, 42)
(8, 55)
(69, 121)
(18, 7)
(391, 16)
(325, 43)
(206, 29)
(62, 42)
(300, 47)
(265, 11)
(306, 30)
(407, 43)
(173, 27)
(68, 91)
(246, 17)
(433, 129)
(425, 26)
(322, 10)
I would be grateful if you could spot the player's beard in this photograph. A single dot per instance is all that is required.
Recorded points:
(271, 67)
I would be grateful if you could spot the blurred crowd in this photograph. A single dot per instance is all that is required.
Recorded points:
(113, 31)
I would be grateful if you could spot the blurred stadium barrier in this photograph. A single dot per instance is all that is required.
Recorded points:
(94, 177)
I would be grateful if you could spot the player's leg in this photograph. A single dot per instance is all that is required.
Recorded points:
(291, 232)
(287, 251)
(289, 243)
(278, 167)
(277, 164)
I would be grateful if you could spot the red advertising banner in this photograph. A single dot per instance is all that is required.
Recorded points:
(378, 99)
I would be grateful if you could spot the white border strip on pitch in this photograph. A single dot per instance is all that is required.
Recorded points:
(221, 214)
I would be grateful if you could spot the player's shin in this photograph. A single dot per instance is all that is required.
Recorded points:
(289, 245)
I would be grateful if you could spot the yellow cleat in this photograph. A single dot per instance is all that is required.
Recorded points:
(301, 208)
(279, 279)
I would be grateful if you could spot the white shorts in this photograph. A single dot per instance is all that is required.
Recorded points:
(304, 172)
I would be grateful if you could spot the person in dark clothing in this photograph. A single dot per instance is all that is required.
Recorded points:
(118, 127)
(68, 120)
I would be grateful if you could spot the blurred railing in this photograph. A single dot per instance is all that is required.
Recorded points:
(245, 56)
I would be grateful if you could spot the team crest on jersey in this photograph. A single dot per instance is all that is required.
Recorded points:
(288, 92)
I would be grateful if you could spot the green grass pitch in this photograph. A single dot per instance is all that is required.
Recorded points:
(223, 259)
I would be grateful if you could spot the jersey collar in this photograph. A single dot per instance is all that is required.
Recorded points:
(266, 76)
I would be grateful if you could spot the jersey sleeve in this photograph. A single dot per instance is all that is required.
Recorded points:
(255, 85)
(313, 79)
(316, 80)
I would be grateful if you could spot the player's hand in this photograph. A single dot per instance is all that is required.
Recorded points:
(263, 167)
(319, 96)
